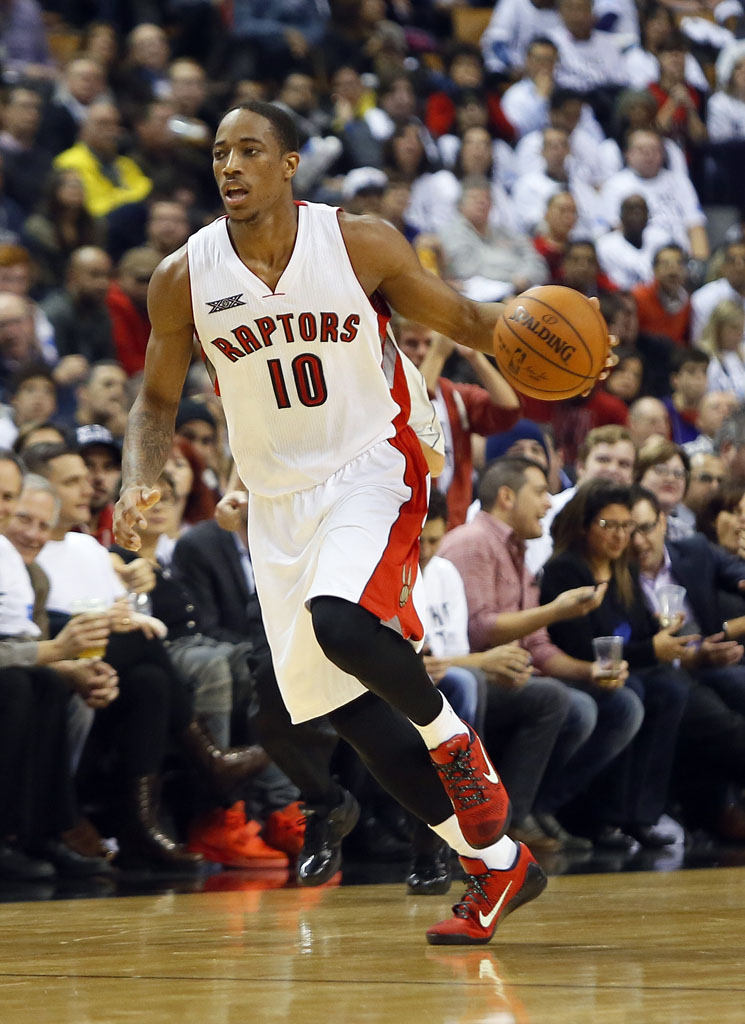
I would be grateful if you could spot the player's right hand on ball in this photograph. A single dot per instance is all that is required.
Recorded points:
(128, 517)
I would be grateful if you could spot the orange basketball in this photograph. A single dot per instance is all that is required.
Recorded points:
(551, 343)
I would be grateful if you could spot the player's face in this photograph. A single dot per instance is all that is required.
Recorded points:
(249, 169)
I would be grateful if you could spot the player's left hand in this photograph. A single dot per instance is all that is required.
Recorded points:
(128, 517)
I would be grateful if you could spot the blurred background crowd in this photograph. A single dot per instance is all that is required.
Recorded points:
(596, 145)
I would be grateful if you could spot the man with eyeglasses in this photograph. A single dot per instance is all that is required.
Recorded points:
(706, 479)
(712, 733)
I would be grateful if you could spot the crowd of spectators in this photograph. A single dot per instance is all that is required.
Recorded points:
(600, 146)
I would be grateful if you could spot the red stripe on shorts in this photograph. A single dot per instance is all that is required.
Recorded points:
(388, 591)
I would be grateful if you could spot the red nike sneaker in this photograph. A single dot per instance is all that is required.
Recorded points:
(491, 895)
(479, 799)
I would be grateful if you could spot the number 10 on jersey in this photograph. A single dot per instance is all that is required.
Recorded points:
(310, 383)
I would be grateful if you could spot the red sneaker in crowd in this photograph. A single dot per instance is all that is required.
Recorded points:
(225, 837)
(491, 895)
(476, 792)
(285, 830)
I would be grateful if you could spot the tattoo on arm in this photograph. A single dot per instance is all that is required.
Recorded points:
(147, 444)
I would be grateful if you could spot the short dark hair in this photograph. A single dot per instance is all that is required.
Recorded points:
(6, 455)
(38, 456)
(561, 96)
(283, 126)
(507, 471)
(30, 371)
(438, 506)
(664, 248)
(639, 493)
(683, 356)
(541, 41)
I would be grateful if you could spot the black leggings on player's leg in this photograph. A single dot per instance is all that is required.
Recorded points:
(358, 643)
(395, 755)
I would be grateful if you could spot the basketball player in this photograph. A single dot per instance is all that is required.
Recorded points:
(290, 304)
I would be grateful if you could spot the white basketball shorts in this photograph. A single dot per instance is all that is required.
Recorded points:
(355, 536)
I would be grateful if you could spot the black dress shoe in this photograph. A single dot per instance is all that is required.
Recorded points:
(430, 873)
(610, 837)
(18, 866)
(320, 857)
(553, 828)
(649, 837)
(69, 863)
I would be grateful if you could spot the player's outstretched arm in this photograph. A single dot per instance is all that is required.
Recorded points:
(149, 434)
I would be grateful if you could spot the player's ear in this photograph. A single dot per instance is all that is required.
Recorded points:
(291, 160)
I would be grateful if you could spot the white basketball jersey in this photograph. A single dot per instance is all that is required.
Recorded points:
(307, 377)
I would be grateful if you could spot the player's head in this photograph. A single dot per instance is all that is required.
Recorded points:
(254, 158)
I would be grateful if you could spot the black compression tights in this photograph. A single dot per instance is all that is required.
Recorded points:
(359, 644)
(393, 751)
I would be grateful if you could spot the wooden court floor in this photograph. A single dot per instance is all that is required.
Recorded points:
(595, 949)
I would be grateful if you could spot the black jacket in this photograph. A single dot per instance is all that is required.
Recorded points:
(711, 577)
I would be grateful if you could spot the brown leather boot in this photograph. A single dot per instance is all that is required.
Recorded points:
(143, 838)
(223, 769)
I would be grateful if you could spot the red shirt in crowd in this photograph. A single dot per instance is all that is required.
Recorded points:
(130, 328)
(655, 319)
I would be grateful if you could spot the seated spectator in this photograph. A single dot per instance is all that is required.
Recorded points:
(636, 111)
(188, 91)
(152, 703)
(198, 426)
(19, 343)
(725, 111)
(23, 39)
(80, 84)
(622, 316)
(641, 63)
(261, 39)
(731, 285)
(512, 27)
(671, 199)
(352, 99)
(473, 249)
(533, 190)
(78, 310)
(27, 159)
(704, 482)
(688, 383)
(32, 396)
(588, 59)
(679, 105)
(580, 269)
(664, 304)
(553, 232)
(569, 113)
(194, 503)
(606, 453)
(59, 226)
(102, 456)
(625, 254)
(144, 73)
(526, 103)
(432, 207)
(625, 379)
(663, 468)
(503, 607)
(102, 398)
(109, 180)
(648, 418)
(591, 547)
(722, 519)
(127, 302)
(18, 276)
(711, 759)
(471, 111)
(722, 340)
(38, 432)
(464, 410)
(729, 443)
(713, 409)
(167, 226)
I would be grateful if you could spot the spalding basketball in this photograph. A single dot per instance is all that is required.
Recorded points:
(550, 342)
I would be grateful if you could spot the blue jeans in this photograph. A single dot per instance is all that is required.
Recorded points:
(618, 715)
(461, 689)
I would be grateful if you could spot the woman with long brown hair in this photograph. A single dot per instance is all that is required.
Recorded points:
(591, 546)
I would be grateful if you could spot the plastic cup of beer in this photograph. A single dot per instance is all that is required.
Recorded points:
(671, 598)
(608, 652)
(90, 606)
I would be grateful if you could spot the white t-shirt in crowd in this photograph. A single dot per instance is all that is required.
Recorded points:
(585, 161)
(705, 298)
(533, 191)
(586, 64)
(671, 199)
(78, 568)
(624, 264)
(725, 118)
(16, 594)
(726, 372)
(434, 202)
(643, 68)
(446, 609)
(513, 24)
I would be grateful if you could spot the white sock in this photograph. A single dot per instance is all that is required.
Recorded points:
(497, 857)
(442, 728)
